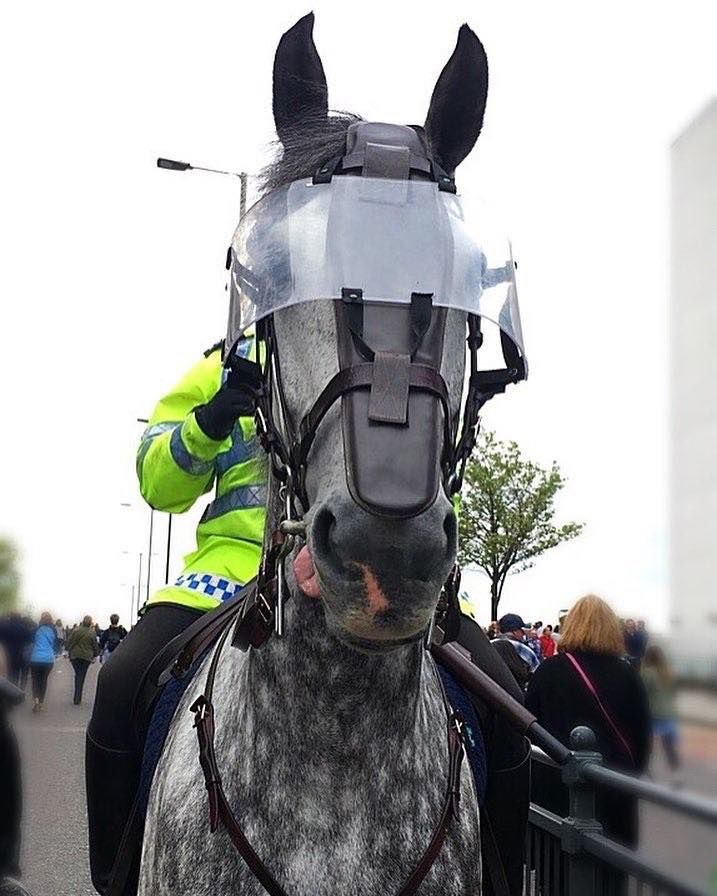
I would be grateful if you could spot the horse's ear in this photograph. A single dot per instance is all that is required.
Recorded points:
(300, 90)
(455, 116)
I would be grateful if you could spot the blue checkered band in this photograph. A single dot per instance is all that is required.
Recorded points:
(204, 583)
(184, 459)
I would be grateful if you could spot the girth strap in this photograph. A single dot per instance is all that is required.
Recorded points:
(221, 811)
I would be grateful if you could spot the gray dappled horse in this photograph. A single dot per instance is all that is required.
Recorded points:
(332, 739)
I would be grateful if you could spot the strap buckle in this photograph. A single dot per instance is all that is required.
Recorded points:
(200, 710)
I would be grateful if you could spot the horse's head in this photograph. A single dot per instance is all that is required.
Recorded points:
(364, 215)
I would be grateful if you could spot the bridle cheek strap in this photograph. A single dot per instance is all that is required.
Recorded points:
(221, 811)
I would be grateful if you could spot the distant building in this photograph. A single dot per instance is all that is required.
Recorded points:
(693, 395)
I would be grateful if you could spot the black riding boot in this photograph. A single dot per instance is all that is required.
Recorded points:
(111, 777)
(115, 738)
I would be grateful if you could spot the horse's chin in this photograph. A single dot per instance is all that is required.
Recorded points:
(368, 641)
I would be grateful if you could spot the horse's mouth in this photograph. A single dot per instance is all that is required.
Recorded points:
(357, 610)
(305, 573)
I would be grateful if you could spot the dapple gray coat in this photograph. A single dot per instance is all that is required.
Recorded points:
(332, 740)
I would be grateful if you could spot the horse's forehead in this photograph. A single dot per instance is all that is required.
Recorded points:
(307, 351)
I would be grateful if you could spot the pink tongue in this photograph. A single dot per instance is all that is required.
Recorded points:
(305, 573)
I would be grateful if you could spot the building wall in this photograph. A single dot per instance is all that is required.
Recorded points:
(693, 377)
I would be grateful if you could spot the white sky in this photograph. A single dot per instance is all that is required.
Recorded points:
(112, 274)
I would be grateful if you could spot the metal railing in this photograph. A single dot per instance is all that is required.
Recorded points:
(572, 857)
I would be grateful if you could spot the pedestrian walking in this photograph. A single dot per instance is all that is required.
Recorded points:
(111, 637)
(659, 681)
(10, 783)
(82, 648)
(42, 660)
(589, 683)
(16, 638)
(60, 629)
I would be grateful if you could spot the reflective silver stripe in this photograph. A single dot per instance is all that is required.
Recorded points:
(156, 429)
(240, 451)
(240, 498)
(149, 435)
(184, 459)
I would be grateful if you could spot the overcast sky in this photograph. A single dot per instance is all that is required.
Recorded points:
(113, 281)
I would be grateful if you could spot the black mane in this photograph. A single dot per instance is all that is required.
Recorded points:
(305, 149)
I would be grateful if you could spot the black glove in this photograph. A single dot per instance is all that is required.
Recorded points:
(217, 417)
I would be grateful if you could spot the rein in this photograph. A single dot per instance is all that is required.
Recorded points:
(221, 812)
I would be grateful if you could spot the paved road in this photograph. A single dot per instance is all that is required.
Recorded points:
(686, 848)
(55, 832)
(55, 850)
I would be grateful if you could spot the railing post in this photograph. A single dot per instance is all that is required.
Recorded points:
(581, 867)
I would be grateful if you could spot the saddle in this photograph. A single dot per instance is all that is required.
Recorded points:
(490, 749)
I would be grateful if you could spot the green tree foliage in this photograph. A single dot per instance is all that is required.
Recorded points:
(9, 575)
(507, 510)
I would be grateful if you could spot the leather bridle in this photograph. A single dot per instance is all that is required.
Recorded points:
(220, 810)
(391, 378)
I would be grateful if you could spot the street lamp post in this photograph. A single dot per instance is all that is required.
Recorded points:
(169, 545)
(174, 165)
(139, 580)
(149, 552)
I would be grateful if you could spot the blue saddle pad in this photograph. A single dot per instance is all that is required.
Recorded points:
(162, 716)
(473, 736)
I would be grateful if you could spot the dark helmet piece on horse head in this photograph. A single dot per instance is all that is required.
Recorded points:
(372, 226)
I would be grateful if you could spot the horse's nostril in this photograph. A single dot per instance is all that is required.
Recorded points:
(324, 524)
(450, 527)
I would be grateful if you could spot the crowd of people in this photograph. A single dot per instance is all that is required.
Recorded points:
(594, 670)
(31, 649)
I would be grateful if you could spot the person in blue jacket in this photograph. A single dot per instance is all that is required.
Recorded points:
(42, 660)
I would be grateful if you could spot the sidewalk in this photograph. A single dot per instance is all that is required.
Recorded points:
(697, 707)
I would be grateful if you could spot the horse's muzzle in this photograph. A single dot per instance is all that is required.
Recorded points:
(381, 578)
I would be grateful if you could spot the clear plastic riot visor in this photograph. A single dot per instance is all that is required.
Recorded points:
(306, 242)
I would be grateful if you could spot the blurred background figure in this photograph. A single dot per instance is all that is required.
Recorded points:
(10, 783)
(493, 630)
(532, 638)
(16, 639)
(82, 648)
(111, 637)
(589, 683)
(660, 685)
(511, 645)
(42, 659)
(547, 645)
(635, 638)
(60, 630)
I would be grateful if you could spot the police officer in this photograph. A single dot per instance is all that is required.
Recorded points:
(200, 436)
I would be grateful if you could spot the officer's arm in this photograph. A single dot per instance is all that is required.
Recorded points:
(175, 460)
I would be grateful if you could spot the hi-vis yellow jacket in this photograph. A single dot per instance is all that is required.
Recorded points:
(177, 463)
